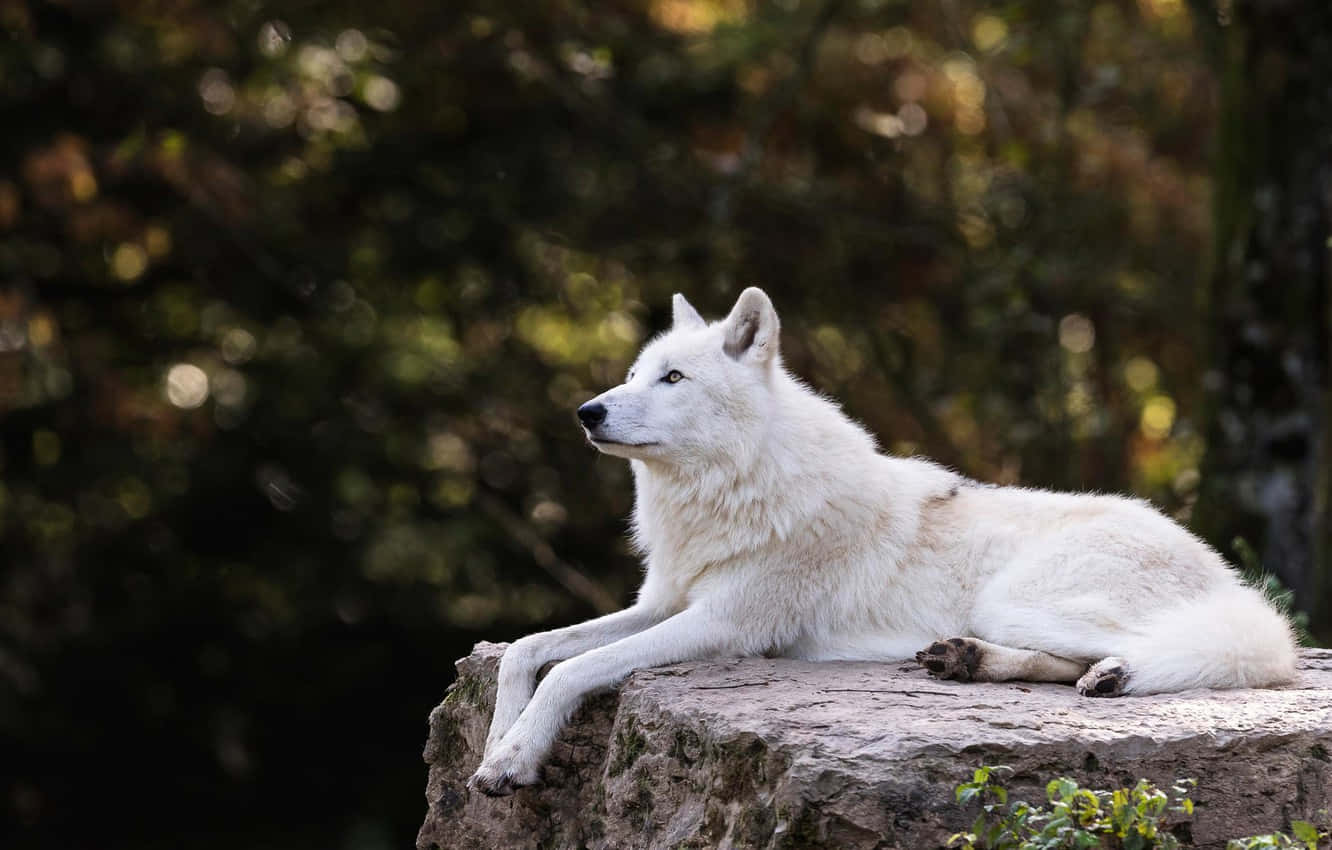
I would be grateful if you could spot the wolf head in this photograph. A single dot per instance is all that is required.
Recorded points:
(699, 392)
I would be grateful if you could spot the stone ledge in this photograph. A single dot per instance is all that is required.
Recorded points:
(774, 753)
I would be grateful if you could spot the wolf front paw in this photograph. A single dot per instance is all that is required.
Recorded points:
(955, 658)
(500, 776)
(494, 782)
(1108, 677)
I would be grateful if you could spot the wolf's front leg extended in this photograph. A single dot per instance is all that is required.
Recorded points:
(524, 657)
(515, 760)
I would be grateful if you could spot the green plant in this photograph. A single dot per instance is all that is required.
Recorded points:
(1139, 818)
(1307, 837)
(1134, 818)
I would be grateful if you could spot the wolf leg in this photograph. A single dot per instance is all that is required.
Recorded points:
(1224, 637)
(515, 760)
(972, 659)
(525, 656)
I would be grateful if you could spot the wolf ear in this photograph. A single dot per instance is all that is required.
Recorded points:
(683, 314)
(752, 329)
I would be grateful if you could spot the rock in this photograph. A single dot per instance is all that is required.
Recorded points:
(773, 753)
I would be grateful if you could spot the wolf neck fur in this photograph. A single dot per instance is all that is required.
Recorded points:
(802, 464)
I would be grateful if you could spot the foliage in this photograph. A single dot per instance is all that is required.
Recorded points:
(297, 299)
(1131, 818)
(1142, 817)
(1306, 837)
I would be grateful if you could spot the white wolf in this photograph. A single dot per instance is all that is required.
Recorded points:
(770, 524)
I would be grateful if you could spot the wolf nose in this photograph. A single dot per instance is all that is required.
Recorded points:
(592, 414)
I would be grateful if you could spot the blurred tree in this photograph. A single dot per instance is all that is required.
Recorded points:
(1267, 473)
(297, 300)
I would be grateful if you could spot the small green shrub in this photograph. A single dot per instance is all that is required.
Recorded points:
(1139, 818)
(1307, 837)
(1130, 818)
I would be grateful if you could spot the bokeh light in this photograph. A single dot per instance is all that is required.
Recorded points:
(1076, 333)
(186, 386)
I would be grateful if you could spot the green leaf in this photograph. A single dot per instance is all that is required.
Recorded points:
(978, 825)
(1060, 789)
(1305, 832)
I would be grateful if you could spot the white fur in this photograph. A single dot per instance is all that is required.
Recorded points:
(770, 523)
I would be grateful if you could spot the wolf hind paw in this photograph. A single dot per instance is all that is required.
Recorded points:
(1108, 677)
(955, 658)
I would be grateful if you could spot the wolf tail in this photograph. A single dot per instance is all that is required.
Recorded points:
(1228, 638)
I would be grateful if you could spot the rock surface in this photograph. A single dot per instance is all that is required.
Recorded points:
(772, 753)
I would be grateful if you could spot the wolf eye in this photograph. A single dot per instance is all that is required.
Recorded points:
(673, 377)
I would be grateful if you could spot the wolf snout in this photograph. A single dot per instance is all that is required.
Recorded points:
(592, 414)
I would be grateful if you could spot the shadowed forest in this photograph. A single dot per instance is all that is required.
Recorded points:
(297, 301)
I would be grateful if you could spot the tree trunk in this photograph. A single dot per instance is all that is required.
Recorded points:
(1266, 474)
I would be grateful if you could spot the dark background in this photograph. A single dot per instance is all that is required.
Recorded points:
(297, 299)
